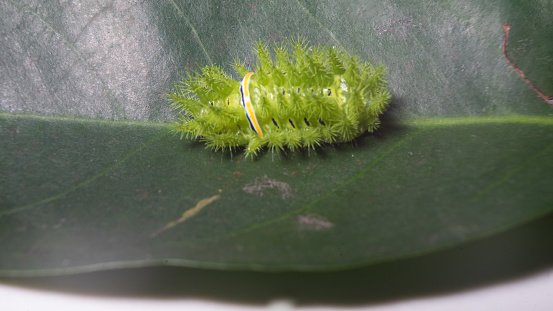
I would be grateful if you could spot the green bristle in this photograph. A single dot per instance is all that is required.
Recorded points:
(239, 67)
(293, 140)
(312, 138)
(276, 140)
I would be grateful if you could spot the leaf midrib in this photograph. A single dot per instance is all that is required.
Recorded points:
(423, 124)
(427, 121)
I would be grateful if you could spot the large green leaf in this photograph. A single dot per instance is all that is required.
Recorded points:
(91, 173)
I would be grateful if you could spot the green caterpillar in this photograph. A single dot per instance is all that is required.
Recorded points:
(302, 98)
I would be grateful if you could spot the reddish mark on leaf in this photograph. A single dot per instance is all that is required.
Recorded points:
(396, 26)
(220, 45)
(506, 28)
(253, 6)
(236, 173)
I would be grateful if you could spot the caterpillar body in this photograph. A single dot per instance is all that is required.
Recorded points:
(302, 97)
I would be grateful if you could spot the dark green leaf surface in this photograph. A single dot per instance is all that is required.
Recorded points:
(91, 173)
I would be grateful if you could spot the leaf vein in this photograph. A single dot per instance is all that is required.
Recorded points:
(196, 36)
(86, 182)
(114, 104)
(311, 16)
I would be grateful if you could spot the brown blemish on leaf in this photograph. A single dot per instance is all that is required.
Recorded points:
(314, 223)
(265, 183)
(506, 28)
(188, 214)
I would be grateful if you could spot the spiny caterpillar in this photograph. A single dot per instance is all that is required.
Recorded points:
(302, 98)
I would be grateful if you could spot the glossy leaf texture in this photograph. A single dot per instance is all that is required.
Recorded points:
(93, 179)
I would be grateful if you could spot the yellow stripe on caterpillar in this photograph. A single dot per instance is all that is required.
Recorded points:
(247, 104)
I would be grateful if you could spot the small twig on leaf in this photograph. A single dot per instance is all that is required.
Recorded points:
(506, 28)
